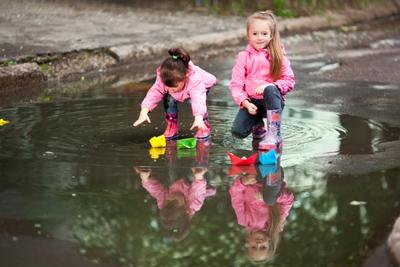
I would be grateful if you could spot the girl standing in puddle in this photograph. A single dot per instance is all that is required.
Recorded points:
(179, 80)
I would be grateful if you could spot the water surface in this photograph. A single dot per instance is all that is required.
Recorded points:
(68, 179)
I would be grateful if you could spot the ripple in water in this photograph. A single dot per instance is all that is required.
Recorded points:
(98, 131)
(307, 133)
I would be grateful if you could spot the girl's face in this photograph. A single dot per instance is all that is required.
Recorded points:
(179, 87)
(258, 245)
(259, 34)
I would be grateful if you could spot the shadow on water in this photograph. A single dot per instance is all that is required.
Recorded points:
(74, 172)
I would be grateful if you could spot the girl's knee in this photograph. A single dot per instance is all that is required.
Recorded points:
(271, 90)
(239, 134)
(272, 97)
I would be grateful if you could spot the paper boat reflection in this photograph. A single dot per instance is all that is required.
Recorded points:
(156, 152)
(244, 169)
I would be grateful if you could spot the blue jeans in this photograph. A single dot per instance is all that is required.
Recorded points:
(171, 105)
(244, 121)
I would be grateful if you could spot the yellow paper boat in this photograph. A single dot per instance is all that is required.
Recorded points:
(3, 122)
(158, 141)
(156, 152)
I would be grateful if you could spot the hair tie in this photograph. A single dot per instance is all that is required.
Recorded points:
(175, 57)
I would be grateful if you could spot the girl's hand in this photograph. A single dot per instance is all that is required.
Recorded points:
(251, 108)
(143, 173)
(142, 117)
(260, 89)
(198, 172)
(199, 123)
(248, 179)
(258, 196)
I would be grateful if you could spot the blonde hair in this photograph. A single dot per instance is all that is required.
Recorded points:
(273, 233)
(274, 46)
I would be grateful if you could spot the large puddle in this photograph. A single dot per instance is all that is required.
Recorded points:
(70, 165)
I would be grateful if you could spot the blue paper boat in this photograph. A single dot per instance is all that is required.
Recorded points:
(269, 157)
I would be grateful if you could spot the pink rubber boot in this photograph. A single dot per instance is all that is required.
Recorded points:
(273, 139)
(204, 134)
(259, 131)
(171, 131)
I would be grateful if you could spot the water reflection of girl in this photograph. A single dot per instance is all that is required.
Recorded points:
(179, 202)
(263, 221)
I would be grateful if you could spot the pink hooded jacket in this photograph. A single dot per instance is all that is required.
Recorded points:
(197, 84)
(194, 194)
(253, 213)
(252, 69)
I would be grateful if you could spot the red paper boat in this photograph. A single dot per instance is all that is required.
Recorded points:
(236, 170)
(243, 160)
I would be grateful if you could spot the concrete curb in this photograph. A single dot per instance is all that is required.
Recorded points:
(348, 16)
(235, 37)
(17, 76)
(78, 62)
(132, 52)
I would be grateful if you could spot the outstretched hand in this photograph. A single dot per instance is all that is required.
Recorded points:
(143, 116)
(248, 179)
(198, 172)
(144, 173)
(199, 123)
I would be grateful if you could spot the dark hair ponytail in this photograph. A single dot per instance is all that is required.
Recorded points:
(174, 68)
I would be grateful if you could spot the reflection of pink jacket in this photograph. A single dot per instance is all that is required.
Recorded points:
(253, 213)
(197, 84)
(194, 194)
(252, 69)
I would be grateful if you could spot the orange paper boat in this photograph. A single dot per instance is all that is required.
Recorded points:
(243, 160)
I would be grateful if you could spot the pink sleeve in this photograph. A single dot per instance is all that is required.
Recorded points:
(238, 200)
(237, 84)
(156, 190)
(208, 79)
(285, 200)
(286, 81)
(198, 97)
(197, 194)
(155, 94)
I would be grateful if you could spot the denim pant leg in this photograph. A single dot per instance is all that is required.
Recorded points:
(273, 98)
(170, 104)
(243, 123)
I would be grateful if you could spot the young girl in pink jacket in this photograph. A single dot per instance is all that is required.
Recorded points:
(261, 77)
(262, 211)
(178, 79)
(180, 201)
